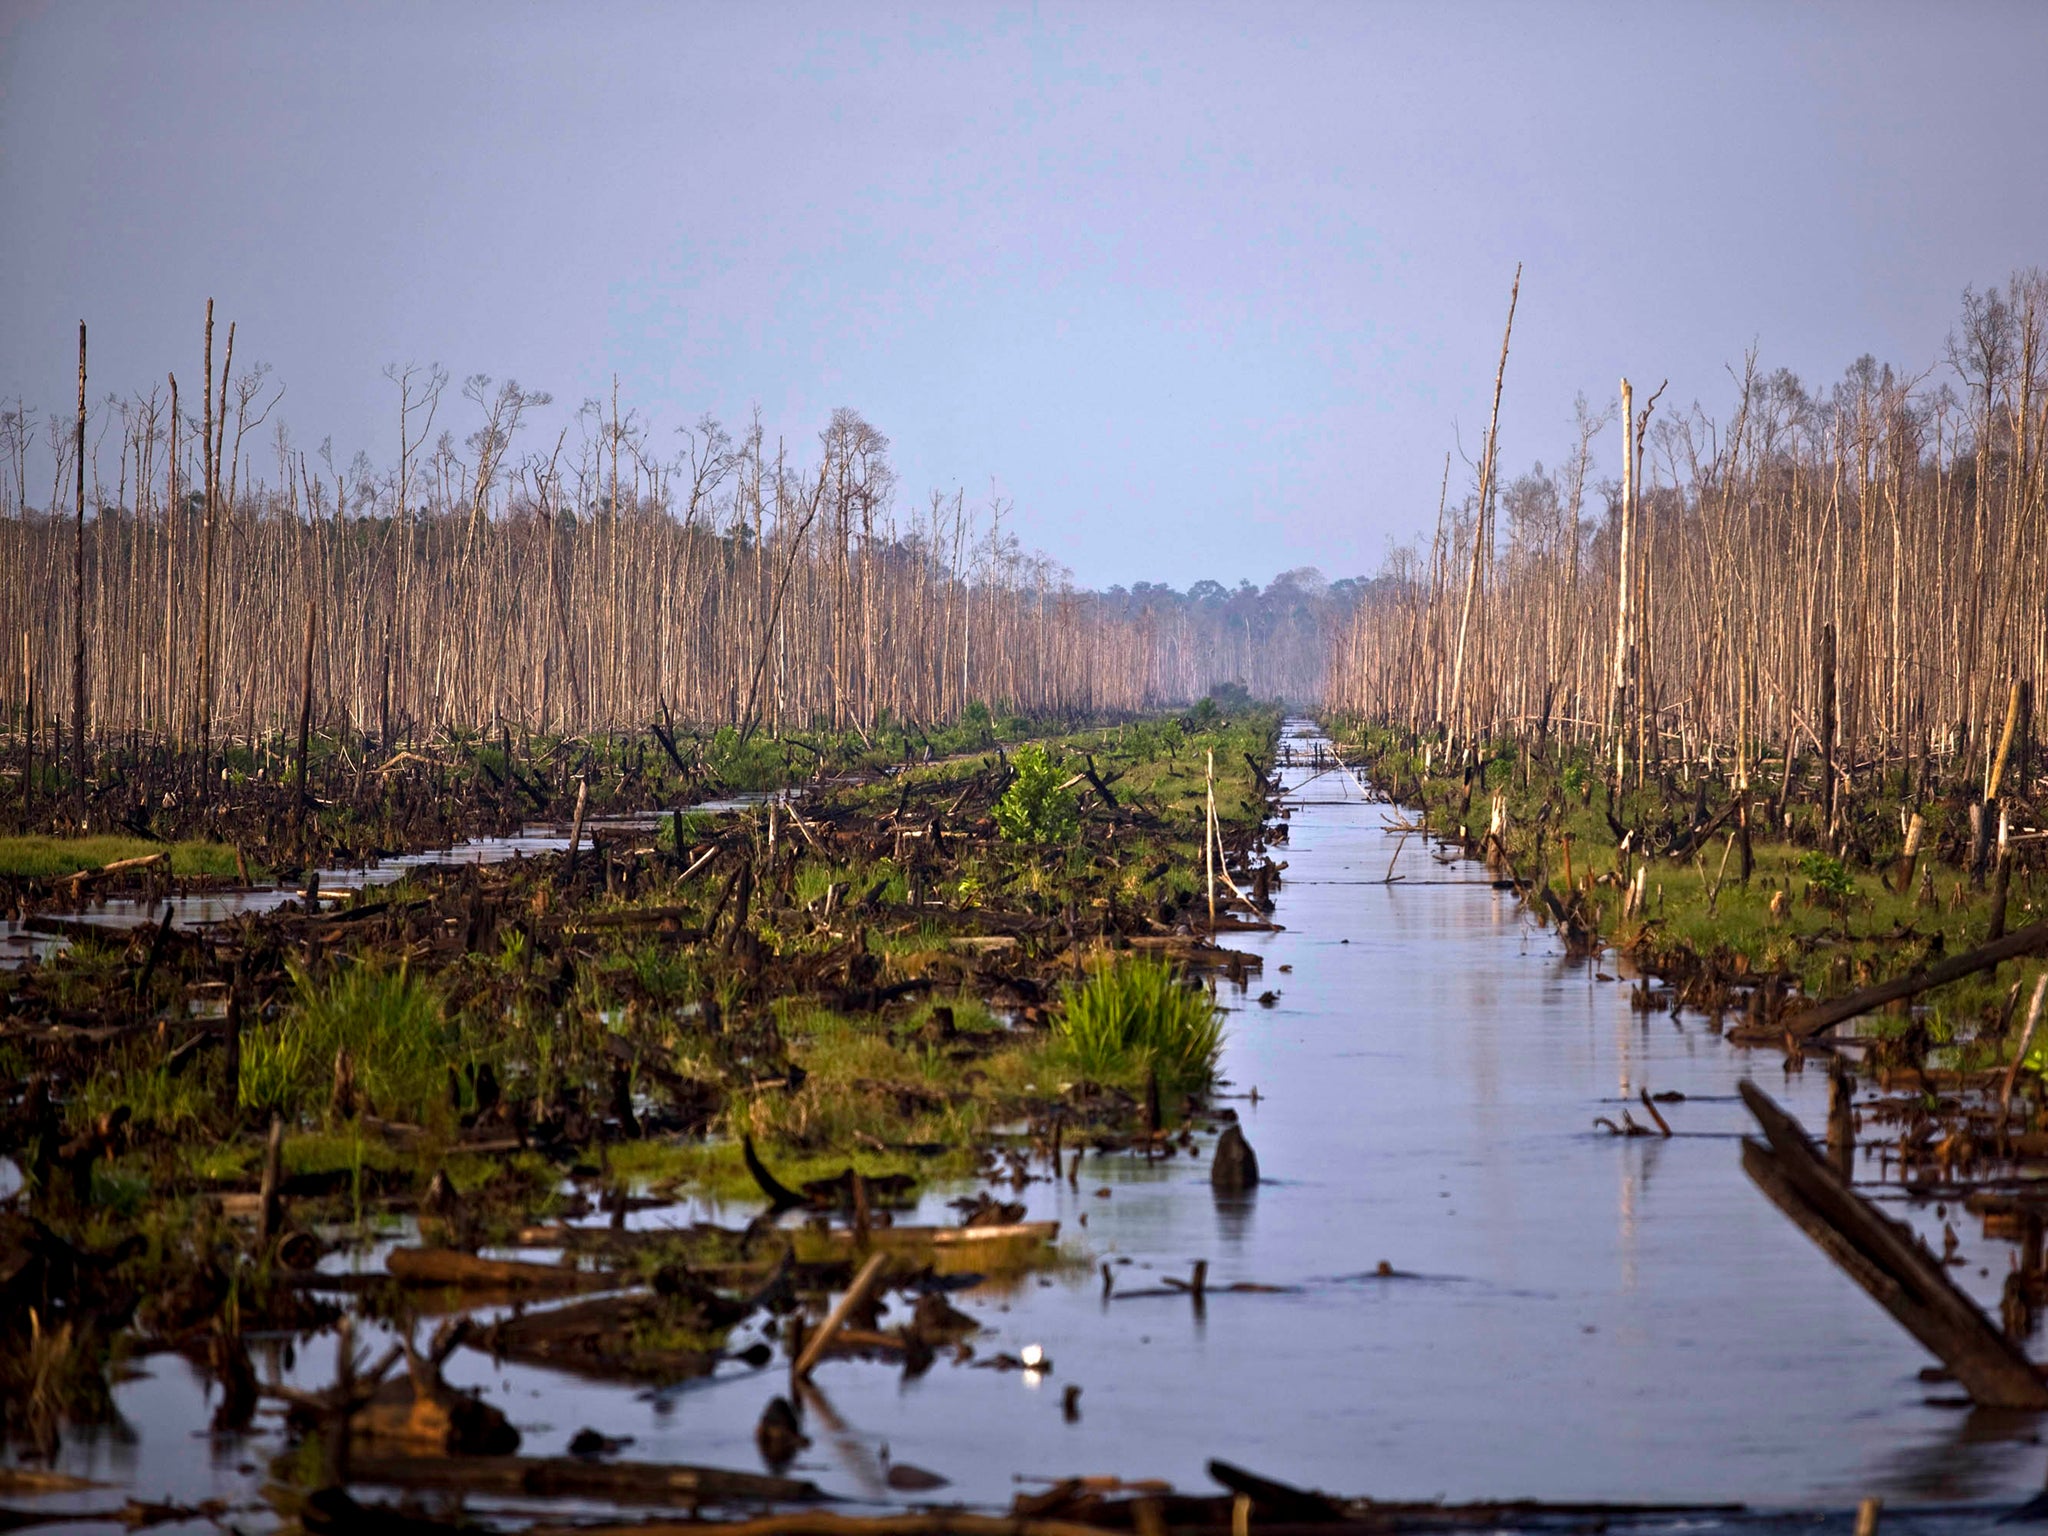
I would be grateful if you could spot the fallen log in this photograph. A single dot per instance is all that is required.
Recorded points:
(1886, 1259)
(449, 1266)
(1809, 1022)
(1278, 1501)
(636, 917)
(621, 1482)
(825, 1523)
(945, 1237)
(85, 877)
(599, 1339)
(423, 1415)
(856, 1293)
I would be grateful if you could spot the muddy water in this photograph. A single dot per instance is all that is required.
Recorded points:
(1572, 1316)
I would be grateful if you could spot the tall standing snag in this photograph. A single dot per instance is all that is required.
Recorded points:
(306, 717)
(78, 600)
(1482, 533)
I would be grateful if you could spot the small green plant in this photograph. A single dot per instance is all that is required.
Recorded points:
(665, 974)
(514, 952)
(1832, 883)
(1036, 808)
(1137, 1014)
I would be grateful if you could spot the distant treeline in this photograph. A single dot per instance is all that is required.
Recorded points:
(1865, 562)
(594, 580)
(1275, 643)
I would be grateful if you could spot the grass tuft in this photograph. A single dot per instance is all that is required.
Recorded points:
(1137, 1014)
(389, 1022)
(52, 858)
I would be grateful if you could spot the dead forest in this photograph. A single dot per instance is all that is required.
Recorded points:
(1858, 570)
(186, 566)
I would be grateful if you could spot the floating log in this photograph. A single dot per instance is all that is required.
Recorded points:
(1277, 1501)
(427, 1417)
(449, 1266)
(946, 1237)
(1809, 1022)
(1886, 1259)
(598, 1338)
(826, 1523)
(567, 1477)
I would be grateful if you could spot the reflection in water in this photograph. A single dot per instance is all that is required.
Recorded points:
(1234, 1219)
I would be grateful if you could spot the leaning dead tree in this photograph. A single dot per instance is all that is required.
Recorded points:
(1859, 574)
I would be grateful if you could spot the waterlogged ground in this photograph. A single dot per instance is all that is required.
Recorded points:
(1572, 1316)
(197, 910)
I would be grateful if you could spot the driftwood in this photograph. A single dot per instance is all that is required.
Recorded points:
(422, 1413)
(1809, 1022)
(1276, 1509)
(946, 1237)
(595, 1339)
(448, 1266)
(566, 1477)
(819, 1342)
(825, 1523)
(1887, 1260)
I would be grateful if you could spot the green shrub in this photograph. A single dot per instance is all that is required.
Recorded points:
(1831, 879)
(389, 1022)
(1035, 809)
(1137, 1014)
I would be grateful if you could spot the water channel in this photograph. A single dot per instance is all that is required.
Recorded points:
(1572, 1316)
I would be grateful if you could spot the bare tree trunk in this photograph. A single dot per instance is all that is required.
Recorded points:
(1481, 531)
(78, 604)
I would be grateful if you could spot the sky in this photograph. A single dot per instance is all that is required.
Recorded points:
(1204, 290)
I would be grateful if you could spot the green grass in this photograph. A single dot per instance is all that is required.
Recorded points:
(390, 1023)
(1136, 1015)
(52, 858)
(867, 1084)
(154, 1098)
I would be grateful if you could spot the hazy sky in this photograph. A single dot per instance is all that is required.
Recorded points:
(1206, 289)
